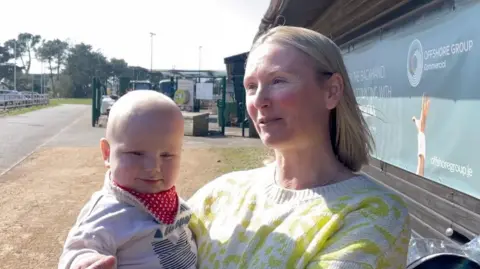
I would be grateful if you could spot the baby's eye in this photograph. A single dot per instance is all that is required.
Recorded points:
(136, 153)
(166, 155)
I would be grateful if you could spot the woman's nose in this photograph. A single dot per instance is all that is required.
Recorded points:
(262, 98)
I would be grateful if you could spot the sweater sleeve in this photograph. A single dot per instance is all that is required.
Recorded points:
(94, 233)
(366, 241)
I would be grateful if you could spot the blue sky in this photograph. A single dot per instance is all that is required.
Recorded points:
(121, 28)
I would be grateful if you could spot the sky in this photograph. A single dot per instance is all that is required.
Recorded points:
(121, 29)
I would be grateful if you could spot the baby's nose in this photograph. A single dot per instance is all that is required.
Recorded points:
(153, 164)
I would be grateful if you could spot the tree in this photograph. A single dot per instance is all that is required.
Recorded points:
(54, 52)
(61, 49)
(118, 67)
(138, 73)
(5, 55)
(26, 44)
(64, 87)
(82, 65)
(46, 52)
(6, 70)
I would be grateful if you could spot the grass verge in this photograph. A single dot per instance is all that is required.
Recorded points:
(73, 101)
(53, 102)
(201, 165)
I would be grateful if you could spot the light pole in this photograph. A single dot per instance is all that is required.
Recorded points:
(199, 61)
(151, 52)
(41, 77)
(15, 66)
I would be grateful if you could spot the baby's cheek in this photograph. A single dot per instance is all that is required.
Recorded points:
(127, 168)
(170, 170)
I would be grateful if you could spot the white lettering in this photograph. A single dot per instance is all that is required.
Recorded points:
(368, 74)
(463, 170)
(464, 46)
(435, 66)
(437, 52)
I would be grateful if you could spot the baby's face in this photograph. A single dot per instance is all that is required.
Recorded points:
(145, 156)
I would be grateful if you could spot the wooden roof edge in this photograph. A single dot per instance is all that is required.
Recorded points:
(368, 20)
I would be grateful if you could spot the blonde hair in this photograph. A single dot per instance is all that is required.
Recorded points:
(350, 136)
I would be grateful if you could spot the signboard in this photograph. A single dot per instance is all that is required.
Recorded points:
(419, 90)
(204, 91)
(184, 93)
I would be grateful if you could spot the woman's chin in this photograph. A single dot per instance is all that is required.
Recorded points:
(272, 140)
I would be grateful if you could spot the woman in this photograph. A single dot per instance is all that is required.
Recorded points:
(308, 209)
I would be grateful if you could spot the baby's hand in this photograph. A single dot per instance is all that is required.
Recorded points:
(97, 261)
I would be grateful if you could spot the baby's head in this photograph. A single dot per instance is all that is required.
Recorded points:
(144, 141)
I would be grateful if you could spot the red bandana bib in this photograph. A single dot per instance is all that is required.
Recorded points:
(162, 205)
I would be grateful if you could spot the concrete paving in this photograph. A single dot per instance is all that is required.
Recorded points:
(22, 134)
(70, 126)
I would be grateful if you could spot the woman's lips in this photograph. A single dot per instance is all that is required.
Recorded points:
(266, 122)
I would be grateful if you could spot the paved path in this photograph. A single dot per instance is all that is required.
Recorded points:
(70, 126)
(22, 134)
(81, 134)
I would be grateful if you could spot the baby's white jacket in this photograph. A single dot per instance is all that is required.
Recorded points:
(114, 222)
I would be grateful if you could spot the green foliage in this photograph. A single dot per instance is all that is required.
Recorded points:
(63, 87)
(70, 68)
(82, 65)
(5, 55)
(118, 67)
(25, 44)
(54, 52)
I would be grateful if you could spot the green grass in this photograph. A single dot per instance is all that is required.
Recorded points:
(53, 102)
(235, 159)
(23, 110)
(74, 101)
(202, 165)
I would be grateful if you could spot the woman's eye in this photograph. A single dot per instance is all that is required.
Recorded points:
(251, 87)
(278, 80)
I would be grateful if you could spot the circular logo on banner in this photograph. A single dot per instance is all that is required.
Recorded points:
(415, 63)
(181, 97)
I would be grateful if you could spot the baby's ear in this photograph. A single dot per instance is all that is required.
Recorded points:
(105, 148)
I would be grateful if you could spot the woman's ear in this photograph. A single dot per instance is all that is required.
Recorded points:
(333, 91)
(105, 148)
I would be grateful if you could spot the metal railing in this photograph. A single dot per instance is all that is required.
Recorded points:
(19, 100)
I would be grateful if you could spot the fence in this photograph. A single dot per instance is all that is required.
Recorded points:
(9, 101)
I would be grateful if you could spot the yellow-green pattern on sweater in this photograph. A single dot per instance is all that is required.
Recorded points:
(244, 220)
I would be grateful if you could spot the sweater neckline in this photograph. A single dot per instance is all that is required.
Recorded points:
(280, 195)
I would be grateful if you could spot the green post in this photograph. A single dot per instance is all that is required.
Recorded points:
(99, 97)
(224, 105)
(94, 102)
(124, 83)
(176, 84)
(172, 88)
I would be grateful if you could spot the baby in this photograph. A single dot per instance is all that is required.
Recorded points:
(137, 219)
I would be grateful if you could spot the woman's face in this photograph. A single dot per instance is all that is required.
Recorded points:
(285, 99)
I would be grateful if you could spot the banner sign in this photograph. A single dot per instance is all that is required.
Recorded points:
(419, 90)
